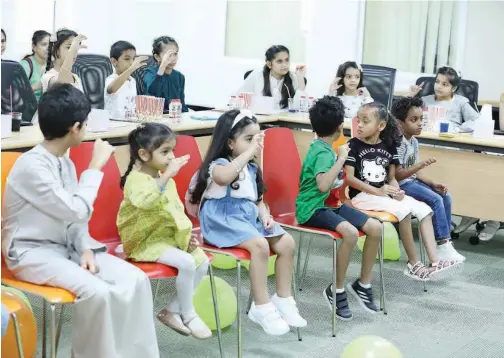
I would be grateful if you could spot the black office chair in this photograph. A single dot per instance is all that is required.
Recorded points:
(93, 70)
(139, 74)
(380, 83)
(23, 98)
(467, 88)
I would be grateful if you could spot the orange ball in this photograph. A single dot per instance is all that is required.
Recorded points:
(27, 327)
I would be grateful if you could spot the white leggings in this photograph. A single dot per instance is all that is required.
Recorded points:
(188, 278)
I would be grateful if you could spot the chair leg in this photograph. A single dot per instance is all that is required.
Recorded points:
(19, 344)
(381, 253)
(53, 330)
(238, 317)
(58, 328)
(156, 291)
(298, 263)
(335, 250)
(216, 309)
(294, 290)
(422, 252)
(305, 266)
(44, 328)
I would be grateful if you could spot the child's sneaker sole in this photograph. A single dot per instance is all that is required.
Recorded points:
(447, 272)
(414, 277)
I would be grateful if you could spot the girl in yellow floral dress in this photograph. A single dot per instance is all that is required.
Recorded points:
(153, 225)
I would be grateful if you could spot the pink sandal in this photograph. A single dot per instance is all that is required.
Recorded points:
(417, 272)
(444, 269)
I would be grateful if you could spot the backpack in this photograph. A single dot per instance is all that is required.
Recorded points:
(193, 209)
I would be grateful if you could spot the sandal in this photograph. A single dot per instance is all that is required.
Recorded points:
(444, 268)
(417, 272)
(174, 321)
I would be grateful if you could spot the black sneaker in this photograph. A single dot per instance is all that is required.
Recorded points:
(342, 310)
(364, 296)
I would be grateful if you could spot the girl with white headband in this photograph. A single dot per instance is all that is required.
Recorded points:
(228, 189)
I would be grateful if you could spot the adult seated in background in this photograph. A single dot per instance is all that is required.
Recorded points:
(276, 80)
(4, 41)
(45, 237)
(35, 64)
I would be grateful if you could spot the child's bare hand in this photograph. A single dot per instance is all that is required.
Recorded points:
(388, 190)
(414, 89)
(139, 61)
(176, 164)
(363, 91)
(427, 162)
(343, 151)
(268, 222)
(193, 243)
(399, 195)
(335, 85)
(168, 57)
(88, 262)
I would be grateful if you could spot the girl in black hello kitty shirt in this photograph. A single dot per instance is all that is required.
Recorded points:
(370, 170)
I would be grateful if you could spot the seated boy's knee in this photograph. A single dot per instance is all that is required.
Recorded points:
(374, 228)
(260, 247)
(348, 231)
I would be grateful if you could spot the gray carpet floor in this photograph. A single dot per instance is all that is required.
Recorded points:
(456, 318)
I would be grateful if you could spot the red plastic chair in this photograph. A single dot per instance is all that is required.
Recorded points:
(188, 145)
(282, 168)
(103, 228)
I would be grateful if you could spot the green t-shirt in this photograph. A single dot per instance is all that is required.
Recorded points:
(319, 159)
(36, 74)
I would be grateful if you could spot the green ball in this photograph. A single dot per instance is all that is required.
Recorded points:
(226, 299)
(371, 347)
(224, 262)
(271, 264)
(391, 249)
(18, 293)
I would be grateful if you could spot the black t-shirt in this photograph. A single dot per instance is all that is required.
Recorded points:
(371, 162)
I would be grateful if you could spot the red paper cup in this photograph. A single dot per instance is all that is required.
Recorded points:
(247, 99)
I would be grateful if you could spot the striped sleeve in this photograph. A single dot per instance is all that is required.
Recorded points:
(395, 156)
(352, 156)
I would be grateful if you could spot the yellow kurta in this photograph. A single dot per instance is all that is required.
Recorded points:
(150, 220)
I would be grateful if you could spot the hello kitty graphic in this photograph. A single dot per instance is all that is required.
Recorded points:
(374, 171)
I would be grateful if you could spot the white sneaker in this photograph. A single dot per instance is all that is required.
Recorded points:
(465, 223)
(489, 231)
(269, 319)
(447, 252)
(288, 310)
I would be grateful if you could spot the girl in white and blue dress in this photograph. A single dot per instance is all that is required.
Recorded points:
(229, 189)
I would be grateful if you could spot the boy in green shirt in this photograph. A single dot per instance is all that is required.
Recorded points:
(322, 172)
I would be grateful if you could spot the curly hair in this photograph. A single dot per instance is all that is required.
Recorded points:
(401, 107)
(326, 115)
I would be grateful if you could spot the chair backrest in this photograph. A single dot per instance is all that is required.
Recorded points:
(281, 170)
(102, 226)
(187, 145)
(467, 88)
(23, 98)
(380, 83)
(139, 75)
(93, 70)
(8, 160)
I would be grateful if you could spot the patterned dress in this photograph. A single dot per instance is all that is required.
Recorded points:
(151, 220)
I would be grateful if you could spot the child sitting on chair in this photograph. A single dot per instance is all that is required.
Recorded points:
(408, 110)
(154, 227)
(229, 188)
(322, 171)
(120, 87)
(45, 238)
